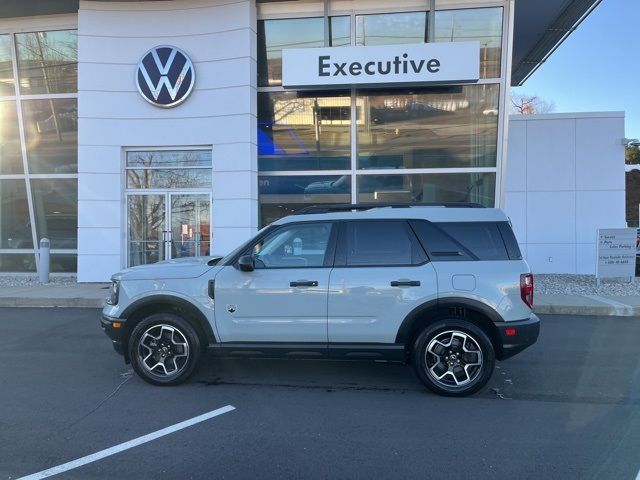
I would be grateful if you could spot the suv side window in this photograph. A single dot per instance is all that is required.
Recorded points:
(461, 241)
(379, 243)
(294, 246)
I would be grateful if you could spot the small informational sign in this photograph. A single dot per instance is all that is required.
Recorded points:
(381, 64)
(616, 251)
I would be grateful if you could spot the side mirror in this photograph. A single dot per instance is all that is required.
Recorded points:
(245, 263)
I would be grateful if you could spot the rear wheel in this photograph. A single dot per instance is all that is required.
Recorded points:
(453, 357)
(164, 349)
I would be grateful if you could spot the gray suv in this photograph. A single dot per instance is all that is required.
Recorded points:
(443, 287)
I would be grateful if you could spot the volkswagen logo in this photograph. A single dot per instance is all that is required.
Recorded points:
(165, 76)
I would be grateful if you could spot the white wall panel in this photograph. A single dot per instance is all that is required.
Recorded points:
(127, 50)
(574, 178)
(110, 77)
(132, 23)
(220, 38)
(551, 217)
(99, 241)
(517, 157)
(168, 131)
(551, 155)
(99, 186)
(552, 258)
(227, 238)
(95, 268)
(100, 159)
(599, 149)
(202, 103)
(99, 214)
(516, 208)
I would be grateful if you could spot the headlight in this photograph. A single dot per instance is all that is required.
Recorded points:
(114, 291)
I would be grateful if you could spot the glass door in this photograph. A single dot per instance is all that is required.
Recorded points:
(190, 225)
(146, 232)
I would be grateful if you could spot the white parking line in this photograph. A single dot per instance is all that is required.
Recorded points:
(126, 445)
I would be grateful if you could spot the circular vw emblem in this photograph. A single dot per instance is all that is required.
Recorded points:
(165, 76)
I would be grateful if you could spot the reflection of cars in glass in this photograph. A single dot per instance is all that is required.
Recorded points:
(490, 111)
(444, 289)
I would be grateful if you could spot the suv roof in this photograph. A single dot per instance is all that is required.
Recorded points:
(435, 213)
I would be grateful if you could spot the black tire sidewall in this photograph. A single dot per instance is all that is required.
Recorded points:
(185, 328)
(419, 363)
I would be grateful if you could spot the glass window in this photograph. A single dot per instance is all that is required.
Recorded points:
(294, 246)
(475, 24)
(277, 35)
(6, 68)
(428, 188)
(17, 262)
(55, 204)
(283, 195)
(169, 178)
(51, 133)
(304, 131)
(169, 158)
(483, 239)
(438, 127)
(15, 227)
(63, 263)
(47, 62)
(378, 243)
(391, 28)
(10, 149)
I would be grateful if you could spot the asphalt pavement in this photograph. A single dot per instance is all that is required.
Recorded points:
(568, 407)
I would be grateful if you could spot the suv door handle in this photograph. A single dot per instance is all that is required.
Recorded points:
(304, 283)
(405, 283)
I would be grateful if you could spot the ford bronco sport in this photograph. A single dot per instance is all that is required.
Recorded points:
(443, 287)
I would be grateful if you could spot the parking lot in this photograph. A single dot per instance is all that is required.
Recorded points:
(569, 407)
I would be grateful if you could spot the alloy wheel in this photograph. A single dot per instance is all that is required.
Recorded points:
(453, 359)
(163, 350)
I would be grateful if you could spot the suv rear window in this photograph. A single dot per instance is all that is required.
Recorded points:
(460, 241)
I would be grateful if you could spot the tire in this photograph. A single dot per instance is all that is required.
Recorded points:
(164, 349)
(456, 351)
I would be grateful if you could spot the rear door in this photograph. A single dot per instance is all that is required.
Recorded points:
(381, 274)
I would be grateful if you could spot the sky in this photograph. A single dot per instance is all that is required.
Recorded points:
(597, 68)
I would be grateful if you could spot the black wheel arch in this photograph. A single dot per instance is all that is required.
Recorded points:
(144, 307)
(432, 311)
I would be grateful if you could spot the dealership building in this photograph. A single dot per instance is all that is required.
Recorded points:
(138, 131)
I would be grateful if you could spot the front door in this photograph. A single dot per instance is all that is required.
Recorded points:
(167, 225)
(285, 298)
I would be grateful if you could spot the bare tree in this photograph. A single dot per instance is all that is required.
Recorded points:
(523, 104)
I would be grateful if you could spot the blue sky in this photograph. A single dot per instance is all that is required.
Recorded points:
(598, 67)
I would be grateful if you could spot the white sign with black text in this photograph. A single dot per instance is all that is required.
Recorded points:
(381, 64)
(616, 253)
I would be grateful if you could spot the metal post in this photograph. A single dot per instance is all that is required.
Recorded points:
(44, 260)
(431, 31)
(326, 23)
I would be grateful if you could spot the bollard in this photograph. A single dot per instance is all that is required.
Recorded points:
(44, 260)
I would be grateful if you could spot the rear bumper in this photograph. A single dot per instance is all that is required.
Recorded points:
(526, 334)
(115, 334)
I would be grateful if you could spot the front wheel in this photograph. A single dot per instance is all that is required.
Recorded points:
(164, 349)
(453, 357)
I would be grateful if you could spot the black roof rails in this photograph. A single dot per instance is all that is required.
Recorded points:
(347, 207)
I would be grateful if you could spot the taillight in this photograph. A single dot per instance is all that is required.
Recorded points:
(526, 289)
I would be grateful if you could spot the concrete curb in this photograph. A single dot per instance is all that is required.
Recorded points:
(51, 302)
(590, 310)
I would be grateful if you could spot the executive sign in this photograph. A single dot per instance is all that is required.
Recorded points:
(165, 76)
(381, 64)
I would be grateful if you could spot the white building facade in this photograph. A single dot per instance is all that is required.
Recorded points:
(98, 164)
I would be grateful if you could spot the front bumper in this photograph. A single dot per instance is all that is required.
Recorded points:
(115, 334)
(518, 335)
